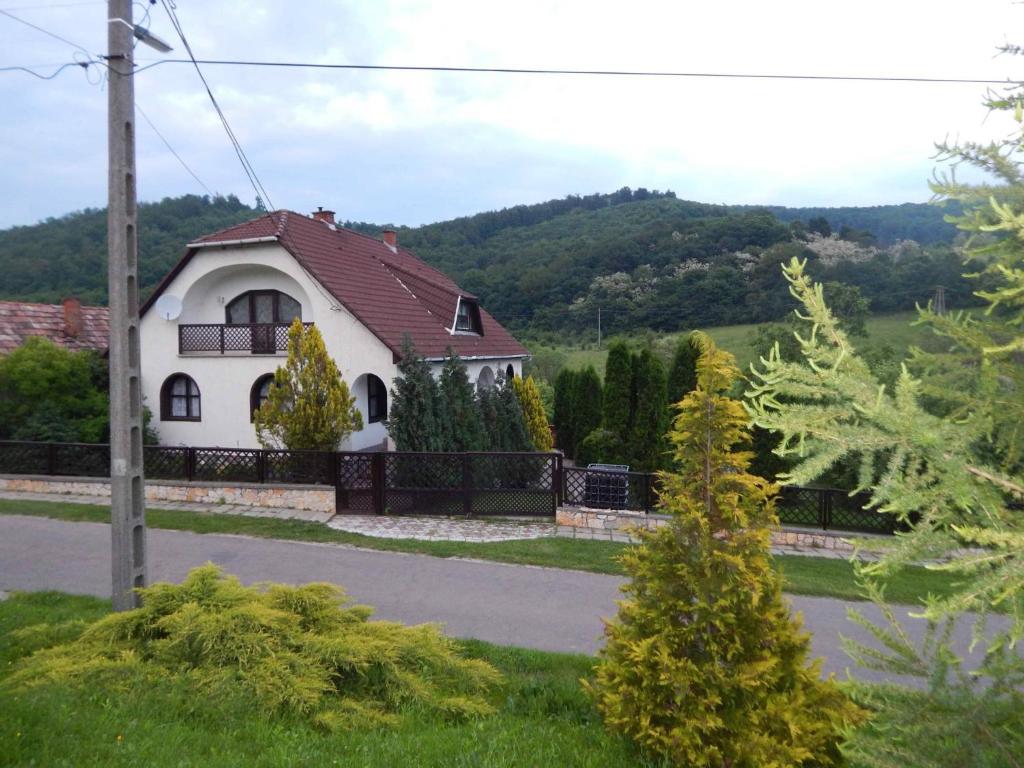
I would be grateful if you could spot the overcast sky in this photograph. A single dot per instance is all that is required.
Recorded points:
(411, 148)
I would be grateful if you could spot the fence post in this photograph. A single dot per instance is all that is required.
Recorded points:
(467, 486)
(261, 466)
(51, 459)
(190, 463)
(558, 480)
(649, 494)
(823, 509)
(221, 339)
(378, 476)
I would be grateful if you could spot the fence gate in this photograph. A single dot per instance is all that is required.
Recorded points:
(358, 483)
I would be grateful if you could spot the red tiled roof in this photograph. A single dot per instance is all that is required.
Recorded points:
(392, 293)
(20, 320)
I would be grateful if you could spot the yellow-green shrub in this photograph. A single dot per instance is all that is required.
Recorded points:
(703, 663)
(289, 649)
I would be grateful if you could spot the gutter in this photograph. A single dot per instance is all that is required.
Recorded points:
(479, 357)
(226, 243)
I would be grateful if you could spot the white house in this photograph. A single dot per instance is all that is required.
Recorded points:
(216, 328)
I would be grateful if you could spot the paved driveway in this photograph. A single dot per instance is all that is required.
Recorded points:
(544, 608)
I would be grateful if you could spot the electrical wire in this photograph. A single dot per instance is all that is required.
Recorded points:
(590, 72)
(32, 72)
(250, 172)
(171, 149)
(46, 32)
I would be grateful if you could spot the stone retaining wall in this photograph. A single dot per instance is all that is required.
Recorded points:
(621, 520)
(314, 498)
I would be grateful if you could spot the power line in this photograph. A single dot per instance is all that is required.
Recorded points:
(590, 72)
(171, 149)
(250, 172)
(45, 32)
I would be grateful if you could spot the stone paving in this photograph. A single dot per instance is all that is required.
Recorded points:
(282, 513)
(443, 528)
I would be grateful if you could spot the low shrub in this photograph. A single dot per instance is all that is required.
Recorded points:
(301, 650)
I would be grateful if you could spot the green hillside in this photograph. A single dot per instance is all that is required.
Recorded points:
(645, 259)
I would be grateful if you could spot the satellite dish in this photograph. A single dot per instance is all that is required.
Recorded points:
(168, 307)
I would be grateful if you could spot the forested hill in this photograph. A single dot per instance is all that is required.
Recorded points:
(644, 257)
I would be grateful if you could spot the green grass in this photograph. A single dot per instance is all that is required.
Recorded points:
(895, 330)
(543, 718)
(802, 575)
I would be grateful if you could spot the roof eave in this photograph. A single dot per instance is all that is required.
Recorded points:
(241, 241)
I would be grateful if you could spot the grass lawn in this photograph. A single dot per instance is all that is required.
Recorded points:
(803, 575)
(543, 718)
(895, 330)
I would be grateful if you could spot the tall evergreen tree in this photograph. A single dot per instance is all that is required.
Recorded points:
(586, 404)
(533, 413)
(458, 407)
(565, 400)
(511, 434)
(682, 375)
(648, 446)
(414, 421)
(703, 664)
(618, 398)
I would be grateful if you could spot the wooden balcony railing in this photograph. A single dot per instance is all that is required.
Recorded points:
(254, 338)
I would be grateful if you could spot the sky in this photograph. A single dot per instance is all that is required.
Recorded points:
(412, 148)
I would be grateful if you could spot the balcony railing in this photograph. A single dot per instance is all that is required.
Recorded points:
(254, 338)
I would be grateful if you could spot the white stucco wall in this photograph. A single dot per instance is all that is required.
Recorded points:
(212, 279)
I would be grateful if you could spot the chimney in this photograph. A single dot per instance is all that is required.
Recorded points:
(321, 215)
(73, 321)
(390, 238)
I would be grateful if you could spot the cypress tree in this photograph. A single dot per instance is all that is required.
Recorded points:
(682, 375)
(703, 664)
(414, 422)
(586, 401)
(618, 404)
(533, 413)
(459, 408)
(511, 432)
(487, 407)
(647, 445)
(565, 393)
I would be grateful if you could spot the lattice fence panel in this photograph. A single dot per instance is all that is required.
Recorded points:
(311, 467)
(512, 471)
(237, 338)
(82, 460)
(848, 512)
(199, 338)
(800, 506)
(24, 458)
(423, 483)
(221, 464)
(165, 463)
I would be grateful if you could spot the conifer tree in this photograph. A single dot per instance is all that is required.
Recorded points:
(308, 405)
(486, 403)
(618, 398)
(533, 413)
(703, 664)
(647, 445)
(414, 421)
(586, 405)
(682, 375)
(565, 394)
(458, 407)
(511, 434)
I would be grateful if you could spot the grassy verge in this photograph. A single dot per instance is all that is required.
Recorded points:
(802, 575)
(543, 718)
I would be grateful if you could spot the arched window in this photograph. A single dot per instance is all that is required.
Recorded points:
(376, 399)
(179, 399)
(486, 378)
(510, 372)
(259, 393)
(262, 307)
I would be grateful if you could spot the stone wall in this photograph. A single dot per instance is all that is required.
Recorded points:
(616, 524)
(313, 498)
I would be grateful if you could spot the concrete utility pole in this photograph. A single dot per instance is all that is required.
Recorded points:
(127, 497)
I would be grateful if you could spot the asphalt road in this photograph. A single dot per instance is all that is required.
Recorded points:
(544, 608)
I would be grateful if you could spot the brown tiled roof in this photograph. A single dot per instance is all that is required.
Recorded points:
(20, 320)
(392, 293)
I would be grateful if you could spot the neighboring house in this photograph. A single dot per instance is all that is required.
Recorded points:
(206, 368)
(68, 325)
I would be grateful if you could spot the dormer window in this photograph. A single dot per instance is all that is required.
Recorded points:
(467, 317)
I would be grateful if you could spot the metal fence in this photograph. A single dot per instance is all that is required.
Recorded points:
(472, 484)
